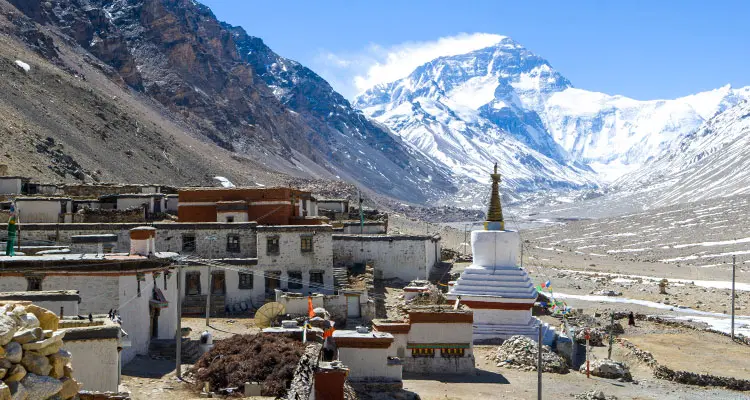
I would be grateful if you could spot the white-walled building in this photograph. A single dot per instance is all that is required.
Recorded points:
(95, 355)
(13, 184)
(44, 209)
(366, 354)
(366, 228)
(433, 339)
(407, 257)
(140, 287)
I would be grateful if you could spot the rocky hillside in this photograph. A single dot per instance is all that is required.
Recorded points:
(163, 86)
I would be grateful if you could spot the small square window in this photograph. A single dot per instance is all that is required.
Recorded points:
(316, 279)
(188, 242)
(230, 219)
(233, 243)
(306, 244)
(295, 280)
(34, 283)
(246, 280)
(272, 245)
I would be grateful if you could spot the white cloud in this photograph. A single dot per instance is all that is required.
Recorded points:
(377, 64)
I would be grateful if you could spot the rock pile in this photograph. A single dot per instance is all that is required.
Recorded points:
(520, 352)
(33, 364)
(610, 369)
(594, 395)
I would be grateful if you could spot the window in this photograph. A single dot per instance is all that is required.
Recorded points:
(246, 280)
(272, 245)
(230, 219)
(188, 242)
(422, 353)
(233, 243)
(34, 283)
(295, 280)
(306, 244)
(316, 279)
(452, 352)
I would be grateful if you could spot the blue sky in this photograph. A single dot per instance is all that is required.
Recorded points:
(640, 49)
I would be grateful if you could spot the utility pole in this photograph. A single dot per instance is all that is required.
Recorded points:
(466, 229)
(178, 334)
(611, 333)
(208, 299)
(734, 267)
(539, 365)
(211, 238)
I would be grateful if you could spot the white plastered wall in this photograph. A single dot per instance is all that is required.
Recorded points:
(94, 363)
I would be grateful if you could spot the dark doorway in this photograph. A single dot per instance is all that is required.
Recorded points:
(155, 322)
(218, 283)
(273, 281)
(192, 283)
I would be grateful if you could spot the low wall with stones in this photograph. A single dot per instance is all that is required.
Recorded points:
(304, 375)
(88, 215)
(684, 377)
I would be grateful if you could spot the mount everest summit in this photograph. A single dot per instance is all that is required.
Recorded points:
(505, 104)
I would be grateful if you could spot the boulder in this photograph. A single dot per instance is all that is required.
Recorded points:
(13, 352)
(28, 335)
(68, 370)
(38, 345)
(15, 374)
(610, 369)
(47, 319)
(8, 328)
(29, 320)
(5, 363)
(58, 367)
(70, 388)
(62, 355)
(3, 372)
(4, 392)
(18, 391)
(41, 387)
(36, 364)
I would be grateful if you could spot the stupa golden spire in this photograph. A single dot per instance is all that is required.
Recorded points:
(495, 220)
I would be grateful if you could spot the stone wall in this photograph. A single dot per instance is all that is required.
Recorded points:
(88, 215)
(404, 257)
(210, 238)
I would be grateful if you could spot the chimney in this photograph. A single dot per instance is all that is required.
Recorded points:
(329, 381)
(143, 241)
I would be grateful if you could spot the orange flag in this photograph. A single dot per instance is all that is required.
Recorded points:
(310, 312)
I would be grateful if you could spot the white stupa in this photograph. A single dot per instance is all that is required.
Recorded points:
(500, 293)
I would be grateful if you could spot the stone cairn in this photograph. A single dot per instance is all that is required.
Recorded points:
(33, 365)
(520, 352)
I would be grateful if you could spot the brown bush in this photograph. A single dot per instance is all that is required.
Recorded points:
(267, 358)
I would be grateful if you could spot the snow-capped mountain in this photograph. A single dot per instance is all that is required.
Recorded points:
(468, 111)
(711, 162)
(504, 103)
(616, 134)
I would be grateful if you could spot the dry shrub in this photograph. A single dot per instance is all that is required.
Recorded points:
(267, 358)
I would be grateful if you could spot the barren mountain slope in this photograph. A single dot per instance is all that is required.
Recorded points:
(229, 88)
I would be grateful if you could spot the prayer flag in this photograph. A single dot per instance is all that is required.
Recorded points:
(310, 310)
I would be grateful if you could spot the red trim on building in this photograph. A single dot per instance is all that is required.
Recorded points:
(486, 305)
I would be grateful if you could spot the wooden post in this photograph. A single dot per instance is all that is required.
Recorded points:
(588, 370)
(178, 335)
(611, 334)
(539, 365)
(208, 298)
(734, 267)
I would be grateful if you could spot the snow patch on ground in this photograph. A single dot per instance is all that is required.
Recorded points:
(23, 65)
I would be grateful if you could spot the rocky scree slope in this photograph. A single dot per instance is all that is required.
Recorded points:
(228, 88)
